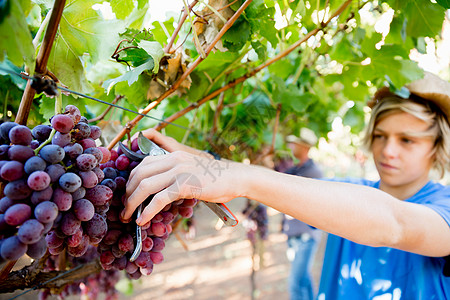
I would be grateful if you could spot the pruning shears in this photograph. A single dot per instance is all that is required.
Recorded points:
(148, 147)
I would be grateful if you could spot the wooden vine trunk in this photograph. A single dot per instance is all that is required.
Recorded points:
(32, 277)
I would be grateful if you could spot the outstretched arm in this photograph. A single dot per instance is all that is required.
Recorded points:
(361, 214)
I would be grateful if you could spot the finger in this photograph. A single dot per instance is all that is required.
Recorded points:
(159, 201)
(146, 187)
(150, 166)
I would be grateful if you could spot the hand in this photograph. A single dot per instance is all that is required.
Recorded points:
(179, 175)
(165, 142)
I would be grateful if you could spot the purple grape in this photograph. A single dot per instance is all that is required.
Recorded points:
(158, 229)
(126, 243)
(121, 183)
(38, 249)
(62, 199)
(110, 172)
(83, 209)
(17, 190)
(52, 153)
(86, 162)
(99, 173)
(81, 249)
(106, 154)
(55, 172)
(158, 244)
(20, 153)
(17, 214)
(5, 128)
(57, 250)
(30, 231)
(20, 135)
(87, 143)
(34, 144)
(79, 193)
(96, 152)
(41, 196)
(112, 236)
(185, 212)
(70, 182)
(38, 180)
(12, 170)
(12, 248)
(41, 132)
(120, 263)
(147, 244)
(5, 203)
(134, 145)
(136, 275)
(52, 239)
(73, 150)
(75, 239)
(81, 131)
(109, 183)
(73, 112)
(70, 224)
(142, 259)
(156, 257)
(99, 195)
(4, 152)
(122, 162)
(46, 212)
(61, 139)
(107, 257)
(34, 163)
(89, 179)
(62, 123)
(96, 132)
(96, 227)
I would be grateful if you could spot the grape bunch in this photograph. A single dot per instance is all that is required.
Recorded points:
(88, 288)
(119, 242)
(256, 222)
(52, 197)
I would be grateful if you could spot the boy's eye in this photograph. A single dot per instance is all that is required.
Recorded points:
(407, 141)
(377, 136)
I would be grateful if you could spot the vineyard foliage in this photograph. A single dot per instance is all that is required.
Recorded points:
(124, 53)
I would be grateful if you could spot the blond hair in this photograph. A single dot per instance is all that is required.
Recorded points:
(438, 128)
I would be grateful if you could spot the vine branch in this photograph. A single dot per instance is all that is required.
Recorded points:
(41, 61)
(174, 87)
(253, 72)
(31, 277)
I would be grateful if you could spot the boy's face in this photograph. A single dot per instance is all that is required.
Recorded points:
(402, 158)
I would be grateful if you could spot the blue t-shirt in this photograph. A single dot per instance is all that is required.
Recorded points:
(355, 271)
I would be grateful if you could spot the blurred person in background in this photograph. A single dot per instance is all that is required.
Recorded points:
(387, 239)
(302, 239)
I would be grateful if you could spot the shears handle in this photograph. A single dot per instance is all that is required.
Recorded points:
(223, 212)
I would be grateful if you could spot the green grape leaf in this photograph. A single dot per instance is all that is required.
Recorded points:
(136, 93)
(130, 76)
(122, 8)
(135, 56)
(424, 18)
(444, 3)
(155, 50)
(15, 38)
(236, 37)
(260, 50)
(159, 32)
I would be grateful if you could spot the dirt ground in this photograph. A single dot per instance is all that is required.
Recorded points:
(216, 265)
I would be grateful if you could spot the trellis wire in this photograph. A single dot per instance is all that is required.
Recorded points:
(11, 72)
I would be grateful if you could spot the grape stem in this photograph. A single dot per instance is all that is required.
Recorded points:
(52, 133)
